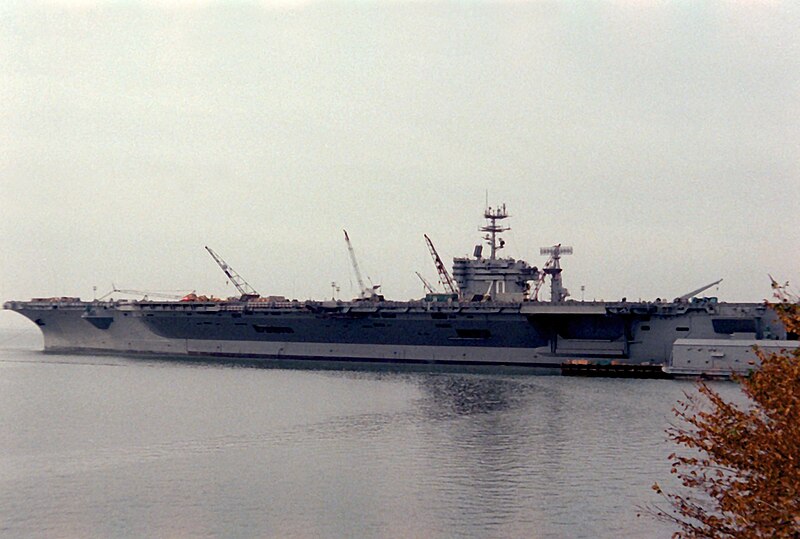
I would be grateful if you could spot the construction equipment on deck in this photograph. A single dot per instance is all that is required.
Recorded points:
(428, 288)
(364, 291)
(693, 293)
(247, 292)
(146, 294)
(444, 276)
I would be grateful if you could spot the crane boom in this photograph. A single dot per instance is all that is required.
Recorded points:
(362, 289)
(247, 291)
(444, 277)
(540, 280)
(428, 288)
(147, 293)
(693, 293)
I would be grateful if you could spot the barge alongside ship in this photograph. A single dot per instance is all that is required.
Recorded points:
(493, 320)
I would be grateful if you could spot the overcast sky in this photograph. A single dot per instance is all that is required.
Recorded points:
(660, 139)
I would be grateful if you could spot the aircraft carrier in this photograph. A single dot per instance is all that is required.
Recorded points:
(489, 315)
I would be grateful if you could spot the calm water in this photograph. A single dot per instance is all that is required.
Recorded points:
(112, 447)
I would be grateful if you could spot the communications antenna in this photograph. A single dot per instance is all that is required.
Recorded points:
(247, 292)
(444, 276)
(493, 229)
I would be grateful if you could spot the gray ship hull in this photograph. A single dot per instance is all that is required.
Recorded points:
(526, 335)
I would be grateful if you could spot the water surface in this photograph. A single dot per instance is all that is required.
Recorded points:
(120, 447)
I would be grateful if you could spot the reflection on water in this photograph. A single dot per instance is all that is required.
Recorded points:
(107, 446)
(465, 395)
(545, 456)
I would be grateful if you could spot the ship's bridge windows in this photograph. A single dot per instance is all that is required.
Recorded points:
(681, 328)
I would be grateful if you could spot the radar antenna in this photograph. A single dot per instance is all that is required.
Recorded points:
(493, 229)
(444, 276)
(247, 292)
(552, 268)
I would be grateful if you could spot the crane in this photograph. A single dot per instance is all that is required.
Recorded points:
(444, 277)
(147, 293)
(693, 293)
(428, 288)
(540, 279)
(364, 292)
(247, 292)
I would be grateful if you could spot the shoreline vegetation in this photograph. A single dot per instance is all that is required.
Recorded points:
(739, 466)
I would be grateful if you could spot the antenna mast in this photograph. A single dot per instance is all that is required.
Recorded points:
(553, 268)
(493, 229)
(247, 292)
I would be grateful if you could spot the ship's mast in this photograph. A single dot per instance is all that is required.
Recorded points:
(492, 229)
(553, 268)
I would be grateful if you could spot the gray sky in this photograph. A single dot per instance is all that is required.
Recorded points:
(660, 139)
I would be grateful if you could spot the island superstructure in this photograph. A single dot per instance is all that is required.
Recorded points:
(493, 319)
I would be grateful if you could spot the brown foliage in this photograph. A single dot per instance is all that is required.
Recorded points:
(741, 465)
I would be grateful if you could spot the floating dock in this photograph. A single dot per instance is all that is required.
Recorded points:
(597, 370)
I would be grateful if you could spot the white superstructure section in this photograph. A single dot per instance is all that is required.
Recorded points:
(720, 357)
